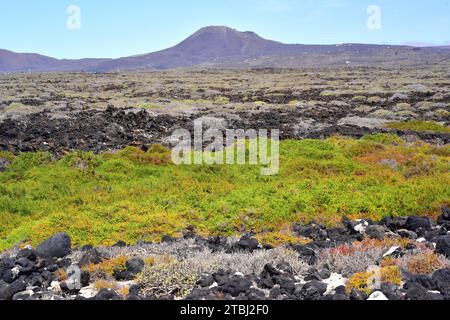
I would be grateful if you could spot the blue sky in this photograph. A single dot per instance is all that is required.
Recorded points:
(116, 28)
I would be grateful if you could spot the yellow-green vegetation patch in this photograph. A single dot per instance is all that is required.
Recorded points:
(106, 267)
(133, 195)
(419, 126)
(148, 105)
(359, 99)
(443, 113)
(15, 106)
(365, 281)
(361, 282)
(221, 100)
(329, 93)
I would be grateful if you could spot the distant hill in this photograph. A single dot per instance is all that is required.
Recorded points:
(223, 47)
(31, 62)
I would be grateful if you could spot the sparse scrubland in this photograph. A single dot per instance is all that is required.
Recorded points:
(358, 210)
(134, 195)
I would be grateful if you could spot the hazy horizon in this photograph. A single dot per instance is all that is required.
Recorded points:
(112, 30)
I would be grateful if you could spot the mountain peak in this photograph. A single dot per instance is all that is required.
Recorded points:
(225, 47)
(216, 29)
(219, 31)
(221, 41)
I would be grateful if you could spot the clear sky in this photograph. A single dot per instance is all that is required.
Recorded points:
(116, 28)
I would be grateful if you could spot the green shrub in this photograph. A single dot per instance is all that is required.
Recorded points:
(134, 195)
(419, 125)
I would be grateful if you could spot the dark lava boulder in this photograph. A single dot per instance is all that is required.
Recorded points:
(107, 294)
(3, 164)
(135, 265)
(375, 232)
(266, 276)
(394, 223)
(342, 235)
(57, 246)
(25, 266)
(217, 243)
(444, 218)
(357, 295)
(306, 253)
(6, 263)
(312, 231)
(442, 280)
(255, 294)
(417, 223)
(29, 254)
(443, 246)
(205, 281)
(434, 235)
(85, 278)
(72, 290)
(415, 291)
(132, 268)
(391, 291)
(235, 286)
(407, 234)
(286, 283)
(221, 277)
(168, 239)
(7, 275)
(340, 294)
(120, 244)
(92, 256)
(425, 281)
(7, 291)
(313, 290)
(246, 243)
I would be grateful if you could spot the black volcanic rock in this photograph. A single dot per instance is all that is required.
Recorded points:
(93, 256)
(3, 164)
(444, 218)
(57, 246)
(443, 246)
(442, 280)
(246, 243)
(7, 291)
(417, 223)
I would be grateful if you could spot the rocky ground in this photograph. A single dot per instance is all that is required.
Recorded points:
(60, 112)
(396, 259)
(114, 129)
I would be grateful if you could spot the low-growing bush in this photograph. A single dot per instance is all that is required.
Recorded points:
(105, 284)
(384, 138)
(424, 263)
(391, 275)
(419, 125)
(359, 99)
(443, 113)
(171, 275)
(106, 268)
(61, 274)
(174, 277)
(374, 100)
(131, 197)
(347, 261)
(418, 165)
(156, 155)
(382, 114)
(402, 107)
(361, 282)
